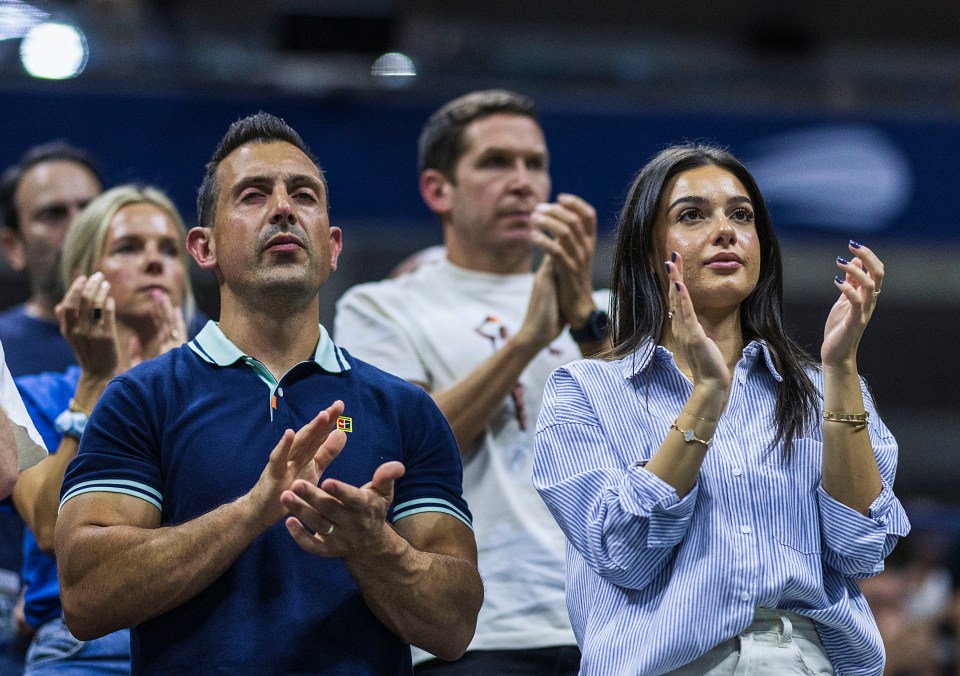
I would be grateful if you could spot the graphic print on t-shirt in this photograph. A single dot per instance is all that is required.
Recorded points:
(496, 332)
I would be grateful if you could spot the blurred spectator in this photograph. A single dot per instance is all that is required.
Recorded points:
(20, 447)
(915, 607)
(126, 257)
(39, 197)
(473, 324)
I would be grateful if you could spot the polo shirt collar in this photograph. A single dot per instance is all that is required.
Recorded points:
(214, 347)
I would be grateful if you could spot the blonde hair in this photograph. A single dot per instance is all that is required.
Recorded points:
(83, 245)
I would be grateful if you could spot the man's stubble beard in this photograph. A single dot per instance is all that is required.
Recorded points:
(45, 277)
(282, 294)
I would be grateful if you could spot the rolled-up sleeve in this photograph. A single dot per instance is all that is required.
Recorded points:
(29, 445)
(856, 544)
(623, 520)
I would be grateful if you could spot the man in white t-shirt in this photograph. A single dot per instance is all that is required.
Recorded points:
(481, 331)
(20, 443)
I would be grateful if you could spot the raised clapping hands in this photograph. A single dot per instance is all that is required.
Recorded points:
(87, 317)
(301, 455)
(88, 320)
(542, 322)
(567, 231)
(699, 351)
(332, 519)
(169, 331)
(859, 282)
(337, 519)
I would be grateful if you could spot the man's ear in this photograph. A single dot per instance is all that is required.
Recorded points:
(12, 246)
(202, 247)
(436, 189)
(336, 245)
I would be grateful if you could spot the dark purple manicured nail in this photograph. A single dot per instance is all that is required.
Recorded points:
(673, 256)
(838, 279)
(855, 244)
(666, 264)
(841, 260)
(677, 285)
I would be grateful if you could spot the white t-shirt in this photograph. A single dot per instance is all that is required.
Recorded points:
(30, 448)
(435, 326)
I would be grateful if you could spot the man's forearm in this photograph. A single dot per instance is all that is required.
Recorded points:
(37, 499)
(116, 575)
(36, 496)
(472, 402)
(9, 461)
(429, 600)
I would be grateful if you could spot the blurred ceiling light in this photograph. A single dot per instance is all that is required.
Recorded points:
(394, 69)
(54, 51)
(17, 18)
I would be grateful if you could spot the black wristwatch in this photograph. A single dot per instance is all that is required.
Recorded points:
(594, 331)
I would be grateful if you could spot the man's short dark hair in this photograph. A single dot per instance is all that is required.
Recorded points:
(55, 151)
(441, 142)
(257, 128)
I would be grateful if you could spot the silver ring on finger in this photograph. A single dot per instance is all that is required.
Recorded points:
(329, 531)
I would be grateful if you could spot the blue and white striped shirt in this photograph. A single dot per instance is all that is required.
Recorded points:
(653, 580)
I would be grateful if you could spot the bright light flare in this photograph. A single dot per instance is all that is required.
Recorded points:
(394, 69)
(54, 51)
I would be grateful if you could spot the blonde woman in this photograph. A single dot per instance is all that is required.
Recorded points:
(129, 299)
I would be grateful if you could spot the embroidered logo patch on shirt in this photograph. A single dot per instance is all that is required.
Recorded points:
(344, 423)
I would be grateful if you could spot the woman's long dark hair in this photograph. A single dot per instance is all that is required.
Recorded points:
(639, 301)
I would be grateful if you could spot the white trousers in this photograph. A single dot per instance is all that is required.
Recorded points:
(778, 643)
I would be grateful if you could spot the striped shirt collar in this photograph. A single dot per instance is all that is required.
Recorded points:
(632, 365)
(215, 348)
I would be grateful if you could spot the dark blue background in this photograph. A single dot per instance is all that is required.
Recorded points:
(368, 147)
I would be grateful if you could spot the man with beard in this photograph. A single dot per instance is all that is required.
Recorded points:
(39, 197)
(223, 556)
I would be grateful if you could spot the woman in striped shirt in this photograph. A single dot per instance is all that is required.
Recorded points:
(719, 490)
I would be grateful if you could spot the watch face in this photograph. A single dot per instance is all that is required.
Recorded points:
(594, 330)
(599, 319)
(598, 325)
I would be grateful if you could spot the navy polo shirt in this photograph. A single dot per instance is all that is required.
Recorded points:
(193, 429)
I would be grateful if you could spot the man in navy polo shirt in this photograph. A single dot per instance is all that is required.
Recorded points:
(177, 518)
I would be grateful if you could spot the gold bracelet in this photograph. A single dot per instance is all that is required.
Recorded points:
(858, 420)
(695, 417)
(76, 409)
(689, 436)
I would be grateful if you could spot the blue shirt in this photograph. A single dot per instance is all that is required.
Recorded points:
(653, 580)
(193, 429)
(33, 345)
(45, 396)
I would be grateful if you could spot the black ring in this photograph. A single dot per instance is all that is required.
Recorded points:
(97, 314)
